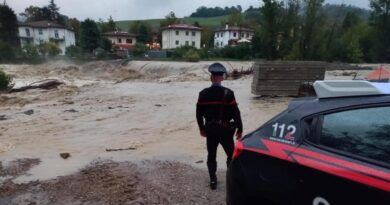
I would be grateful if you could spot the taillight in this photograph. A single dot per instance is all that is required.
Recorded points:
(238, 149)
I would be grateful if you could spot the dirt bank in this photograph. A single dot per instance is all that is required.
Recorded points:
(107, 182)
(118, 71)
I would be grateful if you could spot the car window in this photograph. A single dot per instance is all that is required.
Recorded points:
(362, 132)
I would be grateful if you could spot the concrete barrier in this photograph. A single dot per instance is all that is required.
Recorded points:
(283, 78)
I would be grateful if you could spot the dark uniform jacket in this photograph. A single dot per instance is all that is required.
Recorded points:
(210, 102)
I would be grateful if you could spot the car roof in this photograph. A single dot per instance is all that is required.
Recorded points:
(303, 107)
(334, 94)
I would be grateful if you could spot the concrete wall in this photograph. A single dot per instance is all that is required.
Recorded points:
(171, 40)
(285, 78)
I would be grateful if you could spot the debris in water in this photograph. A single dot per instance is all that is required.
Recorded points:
(3, 117)
(159, 105)
(199, 162)
(44, 84)
(29, 112)
(71, 110)
(120, 106)
(121, 149)
(66, 102)
(65, 155)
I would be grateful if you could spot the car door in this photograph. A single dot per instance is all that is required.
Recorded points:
(345, 158)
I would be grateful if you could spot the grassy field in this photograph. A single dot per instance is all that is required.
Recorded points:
(155, 23)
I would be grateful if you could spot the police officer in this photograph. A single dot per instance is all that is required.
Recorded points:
(218, 118)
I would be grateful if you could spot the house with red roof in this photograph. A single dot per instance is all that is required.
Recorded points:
(178, 35)
(38, 32)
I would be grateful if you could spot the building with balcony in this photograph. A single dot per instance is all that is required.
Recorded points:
(178, 35)
(232, 35)
(46, 31)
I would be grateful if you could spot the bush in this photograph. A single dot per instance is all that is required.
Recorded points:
(101, 53)
(30, 52)
(73, 52)
(139, 49)
(191, 56)
(105, 44)
(49, 48)
(52, 49)
(241, 51)
(6, 52)
(204, 53)
(179, 52)
(5, 81)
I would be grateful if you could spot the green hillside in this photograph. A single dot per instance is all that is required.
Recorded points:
(155, 23)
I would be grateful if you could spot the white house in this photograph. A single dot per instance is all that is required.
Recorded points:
(231, 35)
(121, 40)
(44, 31)
(178, 35)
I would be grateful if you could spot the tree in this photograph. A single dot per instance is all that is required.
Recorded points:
(111, 26)
(257, 46)
(143, 36)
(143, 29)
(290, 27)
(170, 19)
(216, 11)
(311, 30)
(107, 26)
(74, 24)
(351, 44)
(54, 11)
(271, 23)
(105, 44)
(207, 38)
(351, 19)
(8, 26)
(134, 26)
(48, 13)
(89, 35)
(235, 18)
(33, 13)
(380, 19)
(196, 24)
(6, 52)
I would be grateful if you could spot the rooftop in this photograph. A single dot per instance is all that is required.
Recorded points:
(181, 26)
(235, 28)
(119, 34)
(42, 24)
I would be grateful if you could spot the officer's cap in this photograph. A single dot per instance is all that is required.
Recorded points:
(217, 69)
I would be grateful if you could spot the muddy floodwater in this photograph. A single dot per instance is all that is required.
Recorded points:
(130, 128)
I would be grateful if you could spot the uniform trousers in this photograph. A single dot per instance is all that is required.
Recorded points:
(214, 138)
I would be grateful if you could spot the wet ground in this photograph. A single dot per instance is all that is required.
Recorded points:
(130, 132)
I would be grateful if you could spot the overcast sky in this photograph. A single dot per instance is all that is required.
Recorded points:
(142, 9)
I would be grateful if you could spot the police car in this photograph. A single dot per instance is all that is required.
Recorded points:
(331, 149)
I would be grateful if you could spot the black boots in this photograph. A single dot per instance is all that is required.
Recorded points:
(213, 182)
